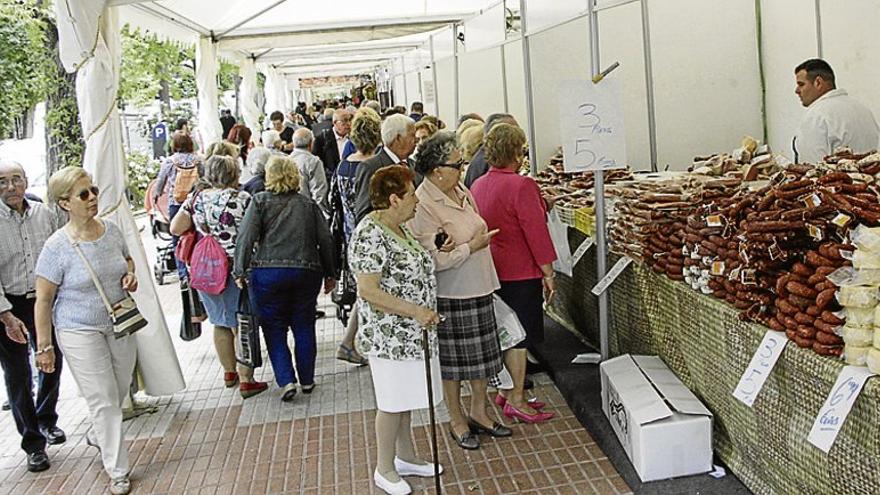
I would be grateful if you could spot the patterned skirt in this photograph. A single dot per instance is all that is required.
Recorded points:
(469, 347)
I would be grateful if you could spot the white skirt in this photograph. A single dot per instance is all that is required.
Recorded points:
(402, 385)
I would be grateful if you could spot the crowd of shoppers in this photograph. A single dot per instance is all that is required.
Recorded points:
(381, 201)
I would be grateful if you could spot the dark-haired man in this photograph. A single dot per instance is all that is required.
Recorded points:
(833, 118)
(286, 133)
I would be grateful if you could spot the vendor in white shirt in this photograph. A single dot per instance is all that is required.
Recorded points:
(833, 119)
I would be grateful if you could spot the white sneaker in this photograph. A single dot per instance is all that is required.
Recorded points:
(409, 469)
(399, 488)
(120, 486)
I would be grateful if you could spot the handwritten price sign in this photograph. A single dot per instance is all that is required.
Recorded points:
(837, 406)
(760, 366)
(593, 134)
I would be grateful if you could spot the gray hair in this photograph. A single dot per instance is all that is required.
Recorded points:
(328, 113)
(257, 158)
(12, 164)
(498, 118)
(302, 138)
(395, 125)
(341, 114)
(372, 104)
(221, 172)
(269, 138)
(435, 151)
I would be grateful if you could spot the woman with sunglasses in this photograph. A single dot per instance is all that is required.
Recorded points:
(449, 226)
(101, 363)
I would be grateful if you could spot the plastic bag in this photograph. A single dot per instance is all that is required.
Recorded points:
(559, 235)
(510, 330)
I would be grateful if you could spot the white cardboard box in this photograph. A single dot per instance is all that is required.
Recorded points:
(664, 429)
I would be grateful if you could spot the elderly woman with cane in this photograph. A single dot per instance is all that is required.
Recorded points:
(396, 299)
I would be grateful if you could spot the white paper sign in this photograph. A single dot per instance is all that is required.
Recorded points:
(760, 366)
(593, 135)
(837, 406)
(581, 250)
(612, 275)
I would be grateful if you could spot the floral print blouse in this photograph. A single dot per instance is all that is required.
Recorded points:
(407, 272)
(218, 212)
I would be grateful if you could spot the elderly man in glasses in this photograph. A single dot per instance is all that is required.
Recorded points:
(24, 227)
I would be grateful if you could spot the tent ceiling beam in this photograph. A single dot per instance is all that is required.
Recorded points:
(333, 57)
(164, 14)
(248, 19)
(340, 62)
(353, 25)
(330, 51)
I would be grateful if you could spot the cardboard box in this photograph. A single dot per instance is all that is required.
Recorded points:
(664, 429)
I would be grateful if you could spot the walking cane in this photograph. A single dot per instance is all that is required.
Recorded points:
(427, 351)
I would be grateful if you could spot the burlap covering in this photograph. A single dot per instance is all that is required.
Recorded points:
(708, 347)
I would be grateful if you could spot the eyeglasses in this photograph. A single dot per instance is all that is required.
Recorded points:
(84, 194)
(15, 181)
(456, 165)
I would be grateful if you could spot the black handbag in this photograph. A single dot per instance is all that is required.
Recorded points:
(193, 313)
(247, 340)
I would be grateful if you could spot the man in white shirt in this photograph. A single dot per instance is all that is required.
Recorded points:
(833, 119)
(330, 143)
(24, 227)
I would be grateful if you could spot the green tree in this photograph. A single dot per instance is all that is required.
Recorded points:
(25, 64)
(154, 68)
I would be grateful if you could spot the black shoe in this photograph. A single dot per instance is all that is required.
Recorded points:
(528, 384)
(54, 435)
(6, 405)
(307, 389)
(498, 430)
(468, 441)
(320, 314)
(38, 461)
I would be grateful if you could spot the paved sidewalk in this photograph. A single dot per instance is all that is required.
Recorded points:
(207, 440)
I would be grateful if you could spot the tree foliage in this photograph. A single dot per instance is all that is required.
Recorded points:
(156, 68)
(26, 66)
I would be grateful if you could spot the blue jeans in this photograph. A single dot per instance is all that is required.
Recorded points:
(286, 298)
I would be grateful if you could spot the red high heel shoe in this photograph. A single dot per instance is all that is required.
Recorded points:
(514, 413)
(534, 403)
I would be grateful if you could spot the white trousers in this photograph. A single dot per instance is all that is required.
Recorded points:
(102, 366)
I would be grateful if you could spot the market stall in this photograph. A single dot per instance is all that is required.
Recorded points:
(743, 244)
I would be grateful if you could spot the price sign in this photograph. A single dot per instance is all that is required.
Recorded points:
(581, 250)
(593, 135)
(612, 275)
(760, 366)
(837, 406)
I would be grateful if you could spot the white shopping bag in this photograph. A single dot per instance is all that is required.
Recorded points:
(559, 235)
(510, 330)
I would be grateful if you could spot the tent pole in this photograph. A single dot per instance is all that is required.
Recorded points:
(456, 110)
(649, 83)
(434, 81)
(530, 102)
(599, 194)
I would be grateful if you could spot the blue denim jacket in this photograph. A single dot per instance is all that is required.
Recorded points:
(284, 230)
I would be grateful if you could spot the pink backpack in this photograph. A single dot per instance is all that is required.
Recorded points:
(209, 265)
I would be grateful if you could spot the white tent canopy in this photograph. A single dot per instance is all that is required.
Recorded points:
(278, 32)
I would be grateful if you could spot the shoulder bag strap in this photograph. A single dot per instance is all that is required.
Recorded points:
(92, 273)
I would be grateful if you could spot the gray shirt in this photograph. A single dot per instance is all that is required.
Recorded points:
(313, 179)
(77, 302)
(21, 239)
